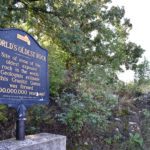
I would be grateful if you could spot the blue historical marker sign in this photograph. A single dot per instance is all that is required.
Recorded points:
(23, 69)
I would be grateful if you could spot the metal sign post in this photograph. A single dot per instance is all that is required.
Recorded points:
(20, 123)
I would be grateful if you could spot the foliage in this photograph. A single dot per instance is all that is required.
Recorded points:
(142, 77)
(56, 68)
(2, 113)
(86, 109)
(69, 25)
(142, 72)
(145, 122)
(136, 141)
(146, 113)
(129, 91)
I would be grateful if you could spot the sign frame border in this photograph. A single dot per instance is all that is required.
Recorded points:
(28, 102)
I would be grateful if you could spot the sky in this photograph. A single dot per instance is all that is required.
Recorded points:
(138, 11)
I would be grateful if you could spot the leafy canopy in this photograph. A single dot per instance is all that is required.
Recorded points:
(69, 24)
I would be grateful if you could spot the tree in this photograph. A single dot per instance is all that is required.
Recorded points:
(69, 24)
(142, 72)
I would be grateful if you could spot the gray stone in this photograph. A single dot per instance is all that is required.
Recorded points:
(42, 141)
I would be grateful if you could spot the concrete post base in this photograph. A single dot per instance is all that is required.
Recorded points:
(42, 141)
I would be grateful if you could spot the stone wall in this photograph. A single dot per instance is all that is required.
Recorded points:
(42, 141)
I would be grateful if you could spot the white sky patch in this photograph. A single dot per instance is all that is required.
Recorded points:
(93, 34)
(138, 11)
(127, 76)
(19, 5)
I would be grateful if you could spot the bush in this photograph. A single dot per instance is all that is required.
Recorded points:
(86, 109)
(3, 113)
